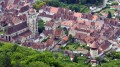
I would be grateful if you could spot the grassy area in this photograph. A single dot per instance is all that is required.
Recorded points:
(1, 32)
(84, 9)
(72, 46)
(106, 10)
(75, 46)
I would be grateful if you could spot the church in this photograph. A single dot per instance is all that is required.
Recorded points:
(23, 31)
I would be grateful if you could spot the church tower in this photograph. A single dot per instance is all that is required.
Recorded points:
(32, 21)
(94, 49)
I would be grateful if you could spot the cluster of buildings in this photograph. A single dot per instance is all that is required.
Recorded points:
(18, 22)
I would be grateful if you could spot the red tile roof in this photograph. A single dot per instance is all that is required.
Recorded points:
(49, 42)
(65, 38)
(104, 45)
(58, 32)
(50, 24)
(77, 15)
(54, 10)
(95, 44)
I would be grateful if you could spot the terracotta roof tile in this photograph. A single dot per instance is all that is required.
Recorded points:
(65, 38)
(95, 44)
(77, 15)
(54, 9)
(49, 42)
(105, 45)
(49, 24)
(67, 23)
(58, 32)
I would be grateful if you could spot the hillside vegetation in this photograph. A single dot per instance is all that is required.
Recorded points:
(75, 5)
(19, 56)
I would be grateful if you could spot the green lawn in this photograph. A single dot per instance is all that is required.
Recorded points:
(84, 9)
(75, 46)
(106, 10)
(72, 46)
(1, 32)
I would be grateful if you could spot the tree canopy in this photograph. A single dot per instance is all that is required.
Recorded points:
(12, 55)
(41, 24)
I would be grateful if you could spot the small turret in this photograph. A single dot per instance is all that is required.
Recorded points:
(94, 49)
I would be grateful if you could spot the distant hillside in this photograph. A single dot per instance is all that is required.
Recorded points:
(19, 56)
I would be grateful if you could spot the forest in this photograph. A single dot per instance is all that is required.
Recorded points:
(13, 55)
(75, 5)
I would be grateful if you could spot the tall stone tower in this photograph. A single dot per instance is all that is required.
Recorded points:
(32, 21)
(104, 3)
(94, 49)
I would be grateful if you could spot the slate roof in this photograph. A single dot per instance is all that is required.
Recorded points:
(15, 28)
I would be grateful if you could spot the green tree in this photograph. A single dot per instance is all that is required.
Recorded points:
(109, 15)
(75, 8)
(38, 5)
(1, 44)
(5, 60)
(38, 64)
(14, 48)
(115, 3)
(41, 25)
(75, 59)
(83, 1)
(54, 3)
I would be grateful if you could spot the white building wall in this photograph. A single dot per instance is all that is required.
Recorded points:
(93, 53)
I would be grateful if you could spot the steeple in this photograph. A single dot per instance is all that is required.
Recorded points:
(32, 21)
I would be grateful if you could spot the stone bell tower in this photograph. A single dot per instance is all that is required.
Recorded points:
(32, 21)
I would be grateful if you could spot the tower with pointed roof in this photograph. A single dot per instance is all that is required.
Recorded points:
(32, 21)
(94, 49)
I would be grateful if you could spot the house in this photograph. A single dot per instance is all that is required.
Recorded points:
(63, 41)
(67, 24)
(56, 48)
(105, 46)
(117, 13)
(89, 40)
(49, 25)
(80, 37)
(72, 30)
(37, 46)
(78, 15)
(45, 17)
(116, 7)
(57, 33)
(50, 43)
(46, 34)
